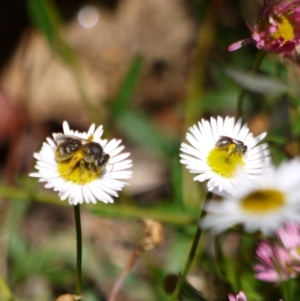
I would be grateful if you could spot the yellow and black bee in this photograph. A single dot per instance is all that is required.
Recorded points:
(231, 145)
(88, 154)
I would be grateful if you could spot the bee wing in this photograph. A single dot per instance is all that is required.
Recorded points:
(237, 142)
(60, 138)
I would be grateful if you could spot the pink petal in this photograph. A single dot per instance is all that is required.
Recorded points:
(239, 44)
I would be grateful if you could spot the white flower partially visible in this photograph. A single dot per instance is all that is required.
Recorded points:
(101, 186)
(266, 206)
(219, 165)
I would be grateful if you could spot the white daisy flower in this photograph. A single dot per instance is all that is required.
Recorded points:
(217, 149)
(82, 167)
(265, 206)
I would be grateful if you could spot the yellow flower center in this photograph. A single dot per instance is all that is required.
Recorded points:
(224, 161)
(79, 174)
(263, 201)
(285, 28)
(297, 249)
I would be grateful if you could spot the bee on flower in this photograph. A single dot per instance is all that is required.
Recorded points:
(220, 147)
(277, 29)
(83, 167)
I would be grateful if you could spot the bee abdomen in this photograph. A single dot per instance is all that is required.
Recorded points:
(66, 150)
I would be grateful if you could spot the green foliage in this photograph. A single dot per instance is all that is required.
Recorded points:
(141, 132)
(258, 83)
(122, 101)
(46, 18)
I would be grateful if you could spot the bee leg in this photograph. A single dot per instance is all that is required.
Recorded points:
(231, 149)
(90, 168)
(73, 162)
(93, 170)
(82, 169)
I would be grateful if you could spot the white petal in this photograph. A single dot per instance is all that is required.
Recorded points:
(98, 133)
(91, 130)
(66, 127)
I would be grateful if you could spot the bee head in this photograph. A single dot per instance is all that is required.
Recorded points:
(225, 142)
(101, 162)
(92, 152)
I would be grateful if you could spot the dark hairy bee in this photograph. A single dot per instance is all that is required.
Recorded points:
(232, 145)
(81, 151)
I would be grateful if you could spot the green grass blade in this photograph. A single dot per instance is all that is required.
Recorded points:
(127, 89)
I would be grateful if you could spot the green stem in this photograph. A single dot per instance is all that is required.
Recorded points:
(260, 56)
(79, 250)
(286, 291)
(163, 214)
(192, 251)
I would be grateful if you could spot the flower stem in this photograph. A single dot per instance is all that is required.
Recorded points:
(78, 250)
(117, 286)
(192, 251)
(259, 57)
(286, 291)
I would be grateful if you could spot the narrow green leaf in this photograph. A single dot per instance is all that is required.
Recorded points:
(226, 267)
(249, 286)
(126, 91)
(258, 83)
(44, 17)
(274, 138)
(167, 213)
(139, 130)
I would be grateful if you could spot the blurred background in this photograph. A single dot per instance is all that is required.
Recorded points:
(146, 70)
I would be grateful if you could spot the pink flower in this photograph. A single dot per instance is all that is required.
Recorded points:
(290, 238)
(239, 297)
(277, 29)
(274, 263)
(289, 235)
(279, 261)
